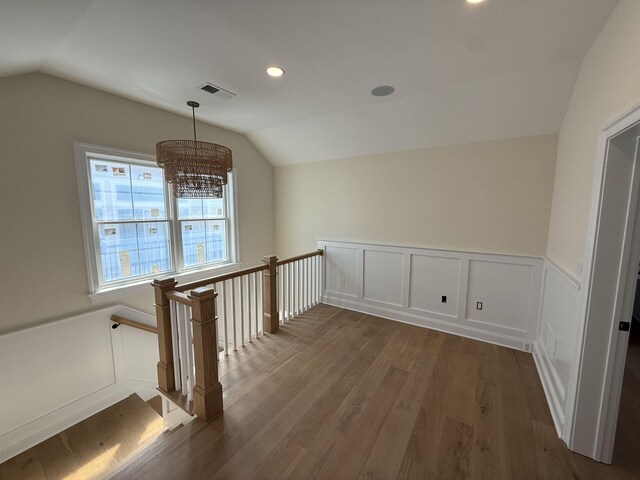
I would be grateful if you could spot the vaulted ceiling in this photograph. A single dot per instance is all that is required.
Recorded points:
(462, 73)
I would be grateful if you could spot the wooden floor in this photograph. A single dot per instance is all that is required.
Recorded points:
(91, 448)
(342, 395)
(626, 453)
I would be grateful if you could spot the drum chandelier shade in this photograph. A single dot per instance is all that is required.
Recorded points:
(193, 167)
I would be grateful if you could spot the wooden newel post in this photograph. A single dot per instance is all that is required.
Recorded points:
(207, 392)
(269, 296)
(166, 379)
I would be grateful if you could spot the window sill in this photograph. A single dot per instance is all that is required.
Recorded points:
(111, 294)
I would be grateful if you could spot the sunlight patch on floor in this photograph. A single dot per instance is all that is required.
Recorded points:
(97, 466)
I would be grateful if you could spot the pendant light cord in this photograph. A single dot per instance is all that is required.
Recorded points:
(193, 113)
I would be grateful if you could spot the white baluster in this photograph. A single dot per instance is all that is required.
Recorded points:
(184, 367)
(249, 305)
(256, 281)
(280, 294)
(241, 285)
(307, 278)
(304, 284)
(313, 280)
(175, 339)
(189, 350)
(320, 277)
(225, 326)
(285, 293)
(261, 303)
(294, 283)
(233, 314)
(318, 282)
(217, 312)
(299, 287)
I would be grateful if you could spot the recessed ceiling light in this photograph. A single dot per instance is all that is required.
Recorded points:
(275, 71)
(474, 1)
(382, 91)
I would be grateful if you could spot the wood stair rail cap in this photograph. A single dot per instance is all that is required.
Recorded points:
(202, 293)
(164, 283)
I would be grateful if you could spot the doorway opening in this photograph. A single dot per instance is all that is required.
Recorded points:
(608, 291)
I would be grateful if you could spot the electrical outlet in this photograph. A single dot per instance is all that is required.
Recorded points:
(343, 281)
(444, 299)
(478, 305)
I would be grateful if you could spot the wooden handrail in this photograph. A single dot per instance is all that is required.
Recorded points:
(220, 278)
(300, 257)
(132, 323)
(179, 297)
(200, 296)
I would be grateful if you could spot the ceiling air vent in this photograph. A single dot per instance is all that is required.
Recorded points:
(216, 91)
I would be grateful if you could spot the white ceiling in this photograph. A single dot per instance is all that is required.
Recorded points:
(462, 73)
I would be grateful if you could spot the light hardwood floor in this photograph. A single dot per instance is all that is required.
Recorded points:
(626, 454)
(342, 395)
(91, 448)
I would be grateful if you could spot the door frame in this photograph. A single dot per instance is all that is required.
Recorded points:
(592, 411)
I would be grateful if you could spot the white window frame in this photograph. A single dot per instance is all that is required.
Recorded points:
(98, 292)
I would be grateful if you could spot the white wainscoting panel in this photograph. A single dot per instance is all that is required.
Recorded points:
(341, 267)
(439, 289)
(57, 374)
(431, 278)
(555, 346)
(499, 294)
(383, 277)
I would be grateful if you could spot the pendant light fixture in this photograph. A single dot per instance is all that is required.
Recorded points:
(194, 168)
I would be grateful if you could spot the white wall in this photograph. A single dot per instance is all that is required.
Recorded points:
(607, 87)
(491, 196)
(57, 374)
(41, 251)
(408, 285)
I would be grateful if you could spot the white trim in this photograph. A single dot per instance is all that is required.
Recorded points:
(26, 436)
(617, 352)
(553, 314)
(601, 447)
(519, 335)
(99, 293)
(116, 293)
(232, 207)
(57, 417)
(563, 273)
(550, 384)
(426, 322)
(386, 247)
(82, 152)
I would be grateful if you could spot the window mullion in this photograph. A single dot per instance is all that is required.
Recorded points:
(176, 234)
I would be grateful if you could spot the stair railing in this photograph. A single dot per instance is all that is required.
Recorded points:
(243, 304)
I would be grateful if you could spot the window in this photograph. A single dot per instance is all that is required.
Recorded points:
(135, 230)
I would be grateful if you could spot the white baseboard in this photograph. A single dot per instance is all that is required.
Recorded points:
(550, 385)
(426, 322)
(30, 434)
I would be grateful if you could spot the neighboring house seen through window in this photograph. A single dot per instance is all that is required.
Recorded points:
(135, 230)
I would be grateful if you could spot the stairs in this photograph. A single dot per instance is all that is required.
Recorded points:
(95, 448)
